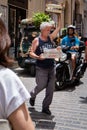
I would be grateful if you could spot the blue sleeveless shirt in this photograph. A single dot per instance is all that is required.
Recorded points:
(46, 63)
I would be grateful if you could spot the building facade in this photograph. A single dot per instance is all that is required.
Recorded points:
(75, 12)
(12, 11)
(17, 10)
(84, 33)
(35, 6)
(4, 11)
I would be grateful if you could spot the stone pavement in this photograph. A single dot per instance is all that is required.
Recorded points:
(69, 108)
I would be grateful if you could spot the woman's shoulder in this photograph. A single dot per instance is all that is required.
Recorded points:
(8, 75)
(6, 71)
(10, 80)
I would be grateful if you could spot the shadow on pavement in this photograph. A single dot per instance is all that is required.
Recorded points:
(70, 87)
(42, 121)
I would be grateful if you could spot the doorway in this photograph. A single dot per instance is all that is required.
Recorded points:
(12, 30)
(15, 16)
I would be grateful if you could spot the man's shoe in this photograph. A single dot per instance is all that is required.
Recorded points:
(46, 111)
(32, 101)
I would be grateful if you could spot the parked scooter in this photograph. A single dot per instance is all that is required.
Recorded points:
(64, 72)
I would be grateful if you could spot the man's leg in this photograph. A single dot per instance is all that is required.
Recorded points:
(41, 81)
(73, 61)
(74, 56)
(49, 90)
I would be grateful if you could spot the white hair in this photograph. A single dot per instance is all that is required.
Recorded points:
(44, 25)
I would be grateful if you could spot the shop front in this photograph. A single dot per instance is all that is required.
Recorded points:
(17, 10)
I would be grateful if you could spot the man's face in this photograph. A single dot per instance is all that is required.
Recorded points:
(46, 31)
(70, 31)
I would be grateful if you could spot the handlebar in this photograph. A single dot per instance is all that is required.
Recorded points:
(81, 47)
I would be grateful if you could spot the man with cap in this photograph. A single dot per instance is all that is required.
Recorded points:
(71, 44)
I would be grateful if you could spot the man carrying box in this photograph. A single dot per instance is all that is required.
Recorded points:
(45, 67)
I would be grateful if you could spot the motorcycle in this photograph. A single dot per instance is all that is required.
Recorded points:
(64, 71)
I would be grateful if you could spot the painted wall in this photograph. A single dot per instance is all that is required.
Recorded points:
(35, 6)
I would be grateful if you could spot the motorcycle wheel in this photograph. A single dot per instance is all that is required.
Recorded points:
(60, 84)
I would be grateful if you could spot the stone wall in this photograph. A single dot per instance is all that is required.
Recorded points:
(3, 2)
(35, 6)
(4, 11)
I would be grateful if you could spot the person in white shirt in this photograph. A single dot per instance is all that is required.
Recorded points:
(13, 93)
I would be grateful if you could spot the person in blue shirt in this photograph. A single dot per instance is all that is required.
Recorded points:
(70, 43)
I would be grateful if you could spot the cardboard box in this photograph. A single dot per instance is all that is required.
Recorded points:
(52, 53)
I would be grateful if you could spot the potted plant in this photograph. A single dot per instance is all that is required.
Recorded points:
(38, 18)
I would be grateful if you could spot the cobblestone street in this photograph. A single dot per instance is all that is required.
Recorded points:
(69, 107)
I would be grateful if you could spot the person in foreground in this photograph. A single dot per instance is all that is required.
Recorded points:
(45, 68)
(12, 91)
(71, 43)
